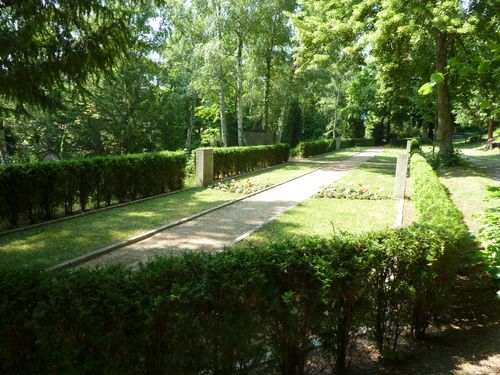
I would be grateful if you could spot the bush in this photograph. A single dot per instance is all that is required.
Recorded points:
(433, 205)
(310, 148)
(349, 191)
(395, 142)
(36, 190)
(357, 142)
(230, 161)
(322, 146)
(415, 146)
(247, 309)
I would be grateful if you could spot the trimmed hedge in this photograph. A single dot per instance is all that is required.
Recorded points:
(433, 205)
(250, 310)
(243, 310)
(230, 161)
(35, 191)
(310, 148)
(357, 142)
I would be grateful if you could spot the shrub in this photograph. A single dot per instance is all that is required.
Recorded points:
(230, 161)
(396, 142)
(349, 191)
(490, 239)
(435, 209)
(37, 190)
(239, 187)
(415, 145)
(247, 309)
(310, 148)
(357, 142)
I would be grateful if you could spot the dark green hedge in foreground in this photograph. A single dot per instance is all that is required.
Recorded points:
(230, 161)
(321, 146)
(35, 191)
(249, 310)
(263, 309)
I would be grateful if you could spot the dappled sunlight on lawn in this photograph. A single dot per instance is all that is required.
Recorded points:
(49, 244)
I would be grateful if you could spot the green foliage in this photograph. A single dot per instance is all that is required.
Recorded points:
(236, 160)
(35, 190)
(357, 142)
(415, 146)
(433, 205)
(489, 233)
(310, 148)
(454, 158)
(248, 309)
(45, 44)
(239, 186)
(349, 191)
(321, 146)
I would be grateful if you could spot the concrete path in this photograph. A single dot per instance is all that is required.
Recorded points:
(213, 231)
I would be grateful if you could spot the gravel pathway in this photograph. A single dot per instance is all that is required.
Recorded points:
(213, 231)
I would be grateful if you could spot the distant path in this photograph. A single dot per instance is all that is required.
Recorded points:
(219, 228)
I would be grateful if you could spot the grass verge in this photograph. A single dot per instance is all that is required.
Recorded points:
(51, 244)
(324, 216)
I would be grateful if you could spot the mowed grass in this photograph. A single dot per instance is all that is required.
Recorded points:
(466, 185)
(338, 155)
(53, 243)
(325, 216)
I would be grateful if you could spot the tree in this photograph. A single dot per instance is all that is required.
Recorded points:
(47, 45)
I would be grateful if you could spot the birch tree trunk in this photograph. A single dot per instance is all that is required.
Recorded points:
(239, 88)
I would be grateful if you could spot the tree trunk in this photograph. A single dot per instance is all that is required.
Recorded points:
(444, 133)
(239, 88)
(4, 154)
(267, 83)
(491, 127)
(222, 96)
(189, 135)
(222, 113)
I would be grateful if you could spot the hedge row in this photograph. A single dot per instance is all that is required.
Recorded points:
(35, 191)
(433, 205)
(230, 161)
(254, 310)
(321, 146)
(249, 310)
(357, 142)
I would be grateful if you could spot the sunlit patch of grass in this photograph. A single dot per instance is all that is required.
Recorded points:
(324, 216)
(338, 155)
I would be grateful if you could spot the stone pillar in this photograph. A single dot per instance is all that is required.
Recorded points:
(337, 143)
(408, 146)
(400, 179)
(204, 166)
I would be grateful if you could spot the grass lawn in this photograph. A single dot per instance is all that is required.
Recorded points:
(467, 189)
(337, 155)
(323, 216)
(51, 244)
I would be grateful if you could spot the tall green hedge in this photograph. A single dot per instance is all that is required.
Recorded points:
(243, 310)
(35, 191)
(236, 160)
(310, 148)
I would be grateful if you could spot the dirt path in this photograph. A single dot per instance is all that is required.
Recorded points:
(213, 231)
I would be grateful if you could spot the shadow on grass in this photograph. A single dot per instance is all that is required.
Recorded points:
(383, 159)
(378, 169)
(48, 245)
